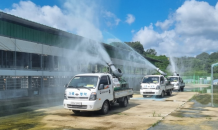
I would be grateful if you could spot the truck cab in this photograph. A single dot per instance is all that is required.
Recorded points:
(93, 92)
(156, 85)
(177, 82)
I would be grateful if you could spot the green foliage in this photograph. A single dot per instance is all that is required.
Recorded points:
(150, 52)
(200, 66)
(203, 56)
(164, 61)
(136, 46)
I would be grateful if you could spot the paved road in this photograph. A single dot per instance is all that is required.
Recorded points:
(141, 113)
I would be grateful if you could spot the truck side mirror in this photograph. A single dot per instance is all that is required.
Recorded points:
(65, 85)
(101, 86)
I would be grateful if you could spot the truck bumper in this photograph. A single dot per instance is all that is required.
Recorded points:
(150, 92)
(176, 87)
(84, 105)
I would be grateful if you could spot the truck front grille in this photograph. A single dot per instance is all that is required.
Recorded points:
(77, 106)
(77, 97)
(148, 92)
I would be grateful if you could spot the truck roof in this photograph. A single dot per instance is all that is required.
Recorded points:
(153, 75)
(92, 74)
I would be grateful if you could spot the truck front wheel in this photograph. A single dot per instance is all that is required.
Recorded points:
(105, 108)
(76, 111)
(162, 94)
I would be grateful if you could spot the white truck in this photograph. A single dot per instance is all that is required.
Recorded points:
(95, 92)
(177, 82)
(156, 85)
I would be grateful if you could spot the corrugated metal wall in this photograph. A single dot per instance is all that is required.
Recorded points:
(22, 32)
(14, 30)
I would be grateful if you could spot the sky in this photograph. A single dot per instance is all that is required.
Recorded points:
(171, 27)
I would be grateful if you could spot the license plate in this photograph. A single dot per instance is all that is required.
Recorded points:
(76, 103)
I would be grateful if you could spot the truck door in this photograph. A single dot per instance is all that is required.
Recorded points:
(106, 92)
(162, 83)
(180, 81)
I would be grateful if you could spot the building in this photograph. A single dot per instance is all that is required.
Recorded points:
(33, 59)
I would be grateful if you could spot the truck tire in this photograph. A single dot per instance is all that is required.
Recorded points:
(182, 88)
(76, 112)
(169, 93)
(124, 103)
(105, 108)
(162, 94)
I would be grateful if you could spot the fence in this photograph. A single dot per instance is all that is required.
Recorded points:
(196, 79)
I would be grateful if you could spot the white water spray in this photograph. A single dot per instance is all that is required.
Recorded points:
(112, 40)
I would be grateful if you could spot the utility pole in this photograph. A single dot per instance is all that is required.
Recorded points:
(213, 65)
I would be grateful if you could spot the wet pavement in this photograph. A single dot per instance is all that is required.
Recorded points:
(196, 114)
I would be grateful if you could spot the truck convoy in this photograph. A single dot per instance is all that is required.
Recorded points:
(96, 91)
(157, 85)
(177, 82)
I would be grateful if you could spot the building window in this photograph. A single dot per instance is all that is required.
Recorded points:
(48, 62)
(22, 60)
(2, 83)
(7, 59)
(36, 61)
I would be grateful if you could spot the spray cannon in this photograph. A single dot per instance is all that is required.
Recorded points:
(115, 71)
(161, 72)
(175, 74)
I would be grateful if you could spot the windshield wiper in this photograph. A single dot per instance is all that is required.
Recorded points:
(73, 87)
(83, 87)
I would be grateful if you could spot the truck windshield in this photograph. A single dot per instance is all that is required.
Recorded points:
(150, 80)
(83, 82)
(173, 79)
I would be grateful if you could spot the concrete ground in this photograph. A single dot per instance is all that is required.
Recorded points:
(141, 113)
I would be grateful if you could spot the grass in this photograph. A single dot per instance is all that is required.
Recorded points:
(156, 123)
(153, 114)
(209, 118)
(205, 98)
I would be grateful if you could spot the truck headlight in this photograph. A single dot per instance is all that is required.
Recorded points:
(93, 96)
(158, 87)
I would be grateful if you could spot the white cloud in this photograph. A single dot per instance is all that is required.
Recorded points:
(147, 36)
(76, 16)
(192, 29)
(130, 18)
(132, 31)
(110, 18)
(164, 25)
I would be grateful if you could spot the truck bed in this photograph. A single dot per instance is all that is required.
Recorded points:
(123, 93)
(170, 86)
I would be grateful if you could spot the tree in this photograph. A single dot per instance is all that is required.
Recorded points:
(214, 56)
(136, 46)
(151, 52)
(202, 56)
